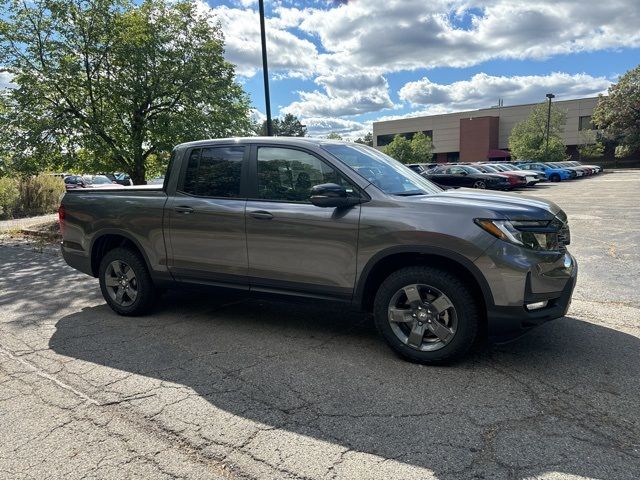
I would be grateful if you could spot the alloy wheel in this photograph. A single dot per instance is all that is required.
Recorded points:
(121, 283)
(422, 317)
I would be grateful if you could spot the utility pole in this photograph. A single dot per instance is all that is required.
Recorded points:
(265, 69)
(549, 96)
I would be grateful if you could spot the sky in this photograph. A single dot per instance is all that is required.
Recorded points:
(340, 65)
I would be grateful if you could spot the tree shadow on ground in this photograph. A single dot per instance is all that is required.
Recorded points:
(562, 399)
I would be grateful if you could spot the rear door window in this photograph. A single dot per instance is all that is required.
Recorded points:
(214, 172)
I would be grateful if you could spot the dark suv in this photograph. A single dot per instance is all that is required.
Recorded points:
(333, 221)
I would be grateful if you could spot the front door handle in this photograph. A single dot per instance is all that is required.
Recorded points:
(261, 215)
(184, 210)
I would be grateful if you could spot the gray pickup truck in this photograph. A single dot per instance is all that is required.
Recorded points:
(334, 221)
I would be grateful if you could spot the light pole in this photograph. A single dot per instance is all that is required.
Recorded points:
(265, 69)
(549, 96)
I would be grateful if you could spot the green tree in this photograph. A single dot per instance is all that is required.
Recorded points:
(421, 148)
(115, 80)
(334, 136)
(366, 140)
(618, 113)
(287, 126)
(528, 139)
(400, 149)
(590, 145)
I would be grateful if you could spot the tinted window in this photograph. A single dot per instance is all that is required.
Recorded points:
(288, 175)
(214, 172)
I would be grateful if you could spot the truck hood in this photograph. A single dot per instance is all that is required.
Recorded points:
(496, 204)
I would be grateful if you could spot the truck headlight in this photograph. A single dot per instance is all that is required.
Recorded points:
(539, 235)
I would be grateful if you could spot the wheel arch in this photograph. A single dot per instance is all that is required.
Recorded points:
(106, 241)
(381, 265)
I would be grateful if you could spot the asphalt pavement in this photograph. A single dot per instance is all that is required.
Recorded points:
(229, 387)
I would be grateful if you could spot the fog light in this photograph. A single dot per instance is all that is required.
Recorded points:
(536, 305)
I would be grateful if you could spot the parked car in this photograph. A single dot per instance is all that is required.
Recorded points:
(580, 171)
(517, 179)
(595, 168)
(467, 176)
(530, 178)
(553, 173)
(311, 218)
(74, 181)
(99, 181)
(422, 167)
(541, 176)
(120, 178)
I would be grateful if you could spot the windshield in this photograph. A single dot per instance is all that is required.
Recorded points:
(384, 172)
(471, 169)
(490, 169)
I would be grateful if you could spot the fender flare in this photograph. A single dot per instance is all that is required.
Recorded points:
(426, 250)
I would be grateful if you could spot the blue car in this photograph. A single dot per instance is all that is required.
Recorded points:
(554, 174)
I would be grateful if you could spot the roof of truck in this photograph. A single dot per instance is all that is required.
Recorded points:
(275, 140)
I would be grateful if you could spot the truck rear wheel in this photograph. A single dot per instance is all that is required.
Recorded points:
(125, 282)
(426, 315)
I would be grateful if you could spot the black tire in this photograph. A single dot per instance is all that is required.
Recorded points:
(554, 177)
(465, 307)
(144, 288)
(480, 184)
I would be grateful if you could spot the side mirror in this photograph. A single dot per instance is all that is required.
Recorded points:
(331, 195)
(464, 173)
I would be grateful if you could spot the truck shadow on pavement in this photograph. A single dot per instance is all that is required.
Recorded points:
(562, 399)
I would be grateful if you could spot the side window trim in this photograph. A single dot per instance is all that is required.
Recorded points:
(253, 173)
(244, 168)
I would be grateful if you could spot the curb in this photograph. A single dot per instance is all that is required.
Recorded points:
(45, 235)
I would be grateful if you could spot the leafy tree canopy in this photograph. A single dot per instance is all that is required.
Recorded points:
(417, 150)
(334, 136)
(528, 139)
(400, 149)
(590, 145)
(287, 126)
(112, 83)
(619, 112)
(366, 140)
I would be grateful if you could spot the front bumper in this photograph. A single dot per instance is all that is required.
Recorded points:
(550, 282)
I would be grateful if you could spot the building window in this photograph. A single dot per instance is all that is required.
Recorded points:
(384, 140)
(584, 123)
(453, 157)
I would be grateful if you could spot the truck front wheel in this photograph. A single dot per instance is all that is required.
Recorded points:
(426, 315)
(125, 282)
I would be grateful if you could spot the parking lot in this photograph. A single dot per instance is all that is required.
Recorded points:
(229, 387)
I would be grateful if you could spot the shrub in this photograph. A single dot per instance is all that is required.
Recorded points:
(9, 194)
(39, 195)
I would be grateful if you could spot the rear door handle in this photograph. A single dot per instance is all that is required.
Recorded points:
(261, 215)
(184, 210)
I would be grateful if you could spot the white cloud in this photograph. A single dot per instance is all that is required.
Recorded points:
(345, 95)
(286, 51)
(409, 34)
(347, 48)
(5, 80)
(322, 126)
(256, 116)
(483, 90)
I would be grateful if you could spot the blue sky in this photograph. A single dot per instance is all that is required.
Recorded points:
(340, 65)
